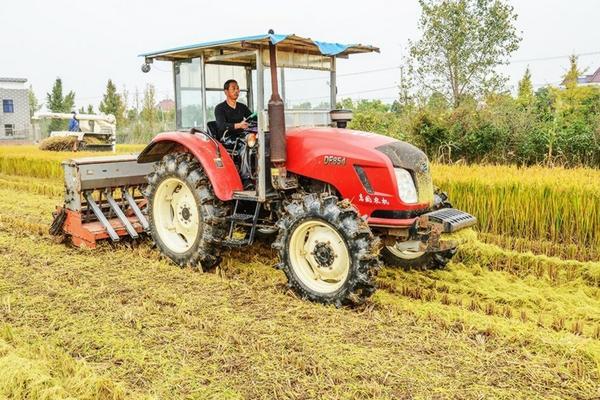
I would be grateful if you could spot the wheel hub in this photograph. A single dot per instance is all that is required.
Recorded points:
(324, 254)
(184, 214)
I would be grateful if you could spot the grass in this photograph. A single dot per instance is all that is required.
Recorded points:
(534, 204)
(238, 333)
(566, 251)
(32, 369)
(125, 323)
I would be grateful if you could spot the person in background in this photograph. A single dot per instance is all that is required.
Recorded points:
(74, 123)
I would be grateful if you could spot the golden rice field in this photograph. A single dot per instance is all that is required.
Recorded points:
(515, 315)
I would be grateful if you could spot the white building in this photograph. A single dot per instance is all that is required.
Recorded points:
(15, 121)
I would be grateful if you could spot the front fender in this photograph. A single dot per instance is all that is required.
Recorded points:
(221, 172)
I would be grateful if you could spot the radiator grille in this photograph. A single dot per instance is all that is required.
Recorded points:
(405, 155)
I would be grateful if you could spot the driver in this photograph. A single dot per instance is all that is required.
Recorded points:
(231, 118)
(231, 115)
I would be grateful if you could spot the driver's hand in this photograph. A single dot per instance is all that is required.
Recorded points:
(241, 125)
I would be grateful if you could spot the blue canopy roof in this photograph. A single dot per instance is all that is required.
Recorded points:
(292, 41)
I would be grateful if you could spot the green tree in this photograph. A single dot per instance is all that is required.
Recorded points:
(397, 107)
(34, 105)
(405, 87)
(56, 102)
(88, 110)
(462, 43)
(371, 106)
(133, 113)
(149, 112)
(437, 102)
(345, 104)
(525, 95)
(570, 78)
(112, 103)
(302, 106)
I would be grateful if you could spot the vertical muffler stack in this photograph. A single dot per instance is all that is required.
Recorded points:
(276, 113)
(277, 127)
(103, 199)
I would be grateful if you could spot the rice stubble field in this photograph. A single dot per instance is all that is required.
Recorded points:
(515, 315)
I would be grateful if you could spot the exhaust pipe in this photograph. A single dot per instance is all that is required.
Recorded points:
(276, 114)
(279, 178)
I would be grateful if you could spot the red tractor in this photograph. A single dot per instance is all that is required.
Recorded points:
(333, 197)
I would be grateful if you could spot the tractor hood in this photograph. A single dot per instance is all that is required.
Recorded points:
(366, 147)
(331, 155)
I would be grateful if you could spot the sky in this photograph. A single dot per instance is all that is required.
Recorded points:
(88, 42)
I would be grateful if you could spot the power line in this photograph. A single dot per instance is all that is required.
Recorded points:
(370, 71)
(346, 94)
(591, 53)
(369, 90)
(347, 74)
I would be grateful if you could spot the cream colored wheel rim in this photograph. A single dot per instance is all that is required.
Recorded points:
(319, 256)
(175, 214)
(405, 250)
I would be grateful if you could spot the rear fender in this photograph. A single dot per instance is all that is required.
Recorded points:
(221, 172)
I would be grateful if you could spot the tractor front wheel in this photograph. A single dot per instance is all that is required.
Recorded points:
(402, 256)
(327, 251)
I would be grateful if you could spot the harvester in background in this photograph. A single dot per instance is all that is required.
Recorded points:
(97, 132)
(334, 197)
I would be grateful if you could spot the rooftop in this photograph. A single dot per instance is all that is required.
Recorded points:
(18, 80)
(286, 42)
(592, 78)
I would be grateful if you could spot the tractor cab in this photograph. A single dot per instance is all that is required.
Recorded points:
(298, 63)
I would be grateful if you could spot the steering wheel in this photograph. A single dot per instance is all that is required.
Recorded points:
(252, 122)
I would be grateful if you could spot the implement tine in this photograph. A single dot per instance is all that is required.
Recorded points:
(115, 207)
(98, 213)
(136, 209)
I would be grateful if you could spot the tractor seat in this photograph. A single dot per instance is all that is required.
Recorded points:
(229, 143)
(213, 130)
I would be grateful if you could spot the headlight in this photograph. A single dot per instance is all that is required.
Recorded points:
(406, 186)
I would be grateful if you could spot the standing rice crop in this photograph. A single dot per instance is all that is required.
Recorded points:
(555, 204)
(31, 161)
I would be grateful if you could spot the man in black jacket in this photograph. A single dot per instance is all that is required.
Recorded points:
(231, 115)
(231, 118)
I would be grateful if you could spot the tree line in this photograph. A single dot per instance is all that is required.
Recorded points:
(550, 126)
(454, 104)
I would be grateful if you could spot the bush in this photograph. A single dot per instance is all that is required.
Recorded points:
(558, 127)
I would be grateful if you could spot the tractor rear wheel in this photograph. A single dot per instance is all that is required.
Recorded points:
(397, 256)
(327, 251)
(185, 217)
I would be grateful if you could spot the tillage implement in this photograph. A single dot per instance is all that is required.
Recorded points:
(334, 202)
